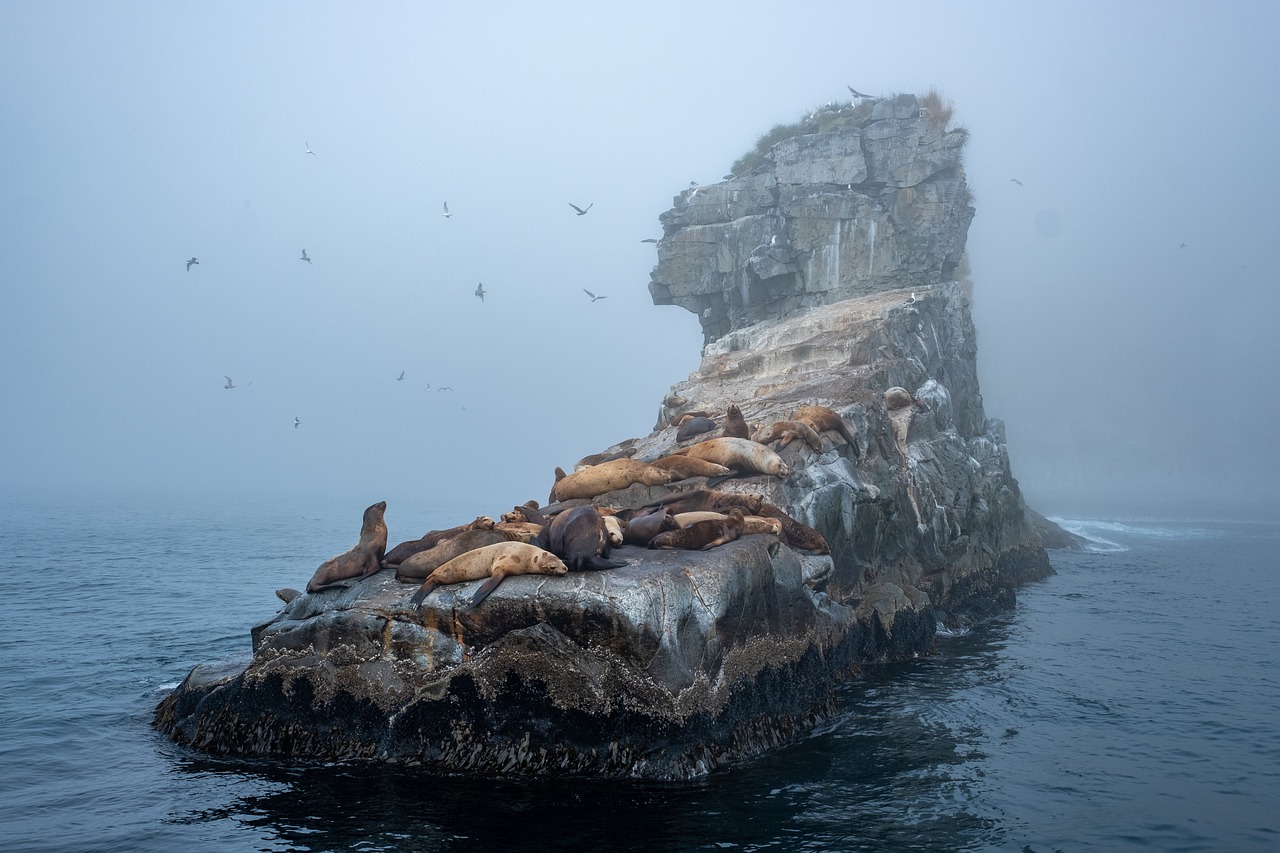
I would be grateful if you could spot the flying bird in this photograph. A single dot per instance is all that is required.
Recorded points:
(304, 256)
(581, 211)
(401, 376)
(1182, 246)
(856, 93)
(309, 151)
(192, 261)
(480, 291)
(444, 388)
(592, 295)
(296, 423)
(229, 384)
(446, 213)
(1016, 181)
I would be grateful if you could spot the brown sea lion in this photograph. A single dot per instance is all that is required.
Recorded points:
(898, 397)
(528, 511)
(362, 560)
(683, 467)
(287, 594)
(735, 425)
(418, 566)
(742, 455)
(696, 500)
(495, 562)
(640, 529)
(526, 531)
(822, 418)
(579, 537)
(702, 535)
(694, 426)
(404, 550)
(597, 458)
(786, 432)
(750, 523)
(795, 534)
(606, 477)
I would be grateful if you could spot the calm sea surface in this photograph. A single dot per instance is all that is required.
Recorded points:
(1131, 702)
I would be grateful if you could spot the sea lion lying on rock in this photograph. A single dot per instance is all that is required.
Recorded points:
(362, 560)
(606, 477)
(702, 535)
(683, 467)
(750, 523)
(597, 458)
(420, 565)
(494, 562)
(401, 552)
(694, 426)
(742, 455)
(794, 533)
(822, 418)
(696, 500)
(641, 528)
(579, 537)
(786, 432)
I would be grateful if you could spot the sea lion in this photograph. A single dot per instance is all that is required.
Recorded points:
(640, 529)
(795, 534)
(362, 560)
(696, 500)
(694, 426)
(615, 527)
(898, 397)
(528, 511)
(420, 565)
(787, 432)
(606, 477)
(287, 594)
(735, 425)
(683, 467)
(750, 523)
(526, 531)
(579, 537)
(404, 550)
(597, 458)
(495, 562)
(702, 535)
(822, 418)
(738, 454)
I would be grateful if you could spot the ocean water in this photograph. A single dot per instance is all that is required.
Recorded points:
(1131, 702)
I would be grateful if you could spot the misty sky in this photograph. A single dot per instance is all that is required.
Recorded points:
(1130, 372)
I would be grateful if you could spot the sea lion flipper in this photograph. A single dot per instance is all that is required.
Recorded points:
(600, 563)
(487, 587)
(422, 593)
(715, 481)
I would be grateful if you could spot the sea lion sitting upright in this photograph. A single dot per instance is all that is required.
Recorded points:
(495, 562)
(578, 536)
(420, 565)
(606, 477)
(702, 535)
(694, 426)
(641, 528)
(362, 560)
(822, 418)
(735, 425)
(404, 550)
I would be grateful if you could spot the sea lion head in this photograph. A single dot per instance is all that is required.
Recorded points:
(550, 564)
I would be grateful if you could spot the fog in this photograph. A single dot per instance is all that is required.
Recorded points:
(1135, 374)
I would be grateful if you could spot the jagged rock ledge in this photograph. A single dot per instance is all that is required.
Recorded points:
(825, 276)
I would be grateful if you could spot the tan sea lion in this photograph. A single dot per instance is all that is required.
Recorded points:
(597, 458)
(683, 467)
(786, 432)
(822, 418)
(404, 550)
(739, 454)
(641, 528)
(420, 565)
(526, 531)
(495, 562)
(615, 527)
(362, 560)
(750, 523)
(579, 537)
(606, 477)
(898, 397)
(695, 500)
(795, 534)
(735, 425)
(690, 427)
(702, 535)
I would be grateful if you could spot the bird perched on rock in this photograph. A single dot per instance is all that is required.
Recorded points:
(581, 211)
(191, 262)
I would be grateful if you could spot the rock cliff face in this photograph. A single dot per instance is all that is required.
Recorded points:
(681, 661)
(877, 202)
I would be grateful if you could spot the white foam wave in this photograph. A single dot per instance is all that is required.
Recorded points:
(1102, 534)
(944, 631)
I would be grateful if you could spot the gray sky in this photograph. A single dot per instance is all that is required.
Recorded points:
(1129, 371)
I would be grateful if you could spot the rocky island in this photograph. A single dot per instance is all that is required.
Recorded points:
(825, 270)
